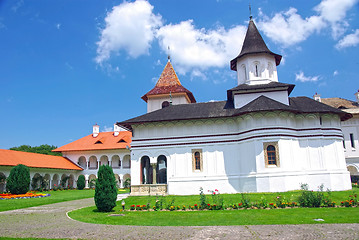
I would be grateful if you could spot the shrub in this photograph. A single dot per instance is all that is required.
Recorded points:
(246, 203)
(202, 198)
(92, 183)
(127, 183)
(106, 190)
(18, 181)
(311, 198)
(81, 182)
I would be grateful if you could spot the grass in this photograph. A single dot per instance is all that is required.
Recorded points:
(219, 218)
(222, 217)
(232, 198)
(56, 196)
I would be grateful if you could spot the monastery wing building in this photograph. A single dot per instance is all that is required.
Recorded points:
(258, 140)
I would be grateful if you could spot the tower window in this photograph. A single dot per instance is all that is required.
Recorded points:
(352, 140)
(256, 73)
(165, 104)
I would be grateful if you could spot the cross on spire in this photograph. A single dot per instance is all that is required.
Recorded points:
(250, 12)
(168, 54)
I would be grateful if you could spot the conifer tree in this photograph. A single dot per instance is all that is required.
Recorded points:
(18, 181)
(81, 182)
(105, 190)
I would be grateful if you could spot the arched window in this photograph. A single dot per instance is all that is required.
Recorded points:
(197, 161)
(197, 158)
(146, 171)
(162, 169)
(271, 155)
(165, 104)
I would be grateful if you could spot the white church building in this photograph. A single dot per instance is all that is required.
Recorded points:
(258, 140)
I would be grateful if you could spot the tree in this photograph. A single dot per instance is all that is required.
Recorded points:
(42, 149)
(105, 190)
(18, 181)
(81, 182)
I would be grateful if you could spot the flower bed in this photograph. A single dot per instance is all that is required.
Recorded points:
(6, 196)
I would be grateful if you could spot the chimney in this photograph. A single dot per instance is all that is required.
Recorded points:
(357, 96)
(116, 130)
(317, 97)
(95, 130)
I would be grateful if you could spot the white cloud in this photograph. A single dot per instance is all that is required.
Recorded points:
(200, 48)
(302, 78)
(334, 12)
(17, 5)
(350, 40)
(335, 73)
(289, 28)
(58, 26)
(130, 26)
(107, 129)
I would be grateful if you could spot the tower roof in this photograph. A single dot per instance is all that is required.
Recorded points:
(169, 83)
(253, 43)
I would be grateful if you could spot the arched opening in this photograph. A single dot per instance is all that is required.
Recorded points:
(103, 160)
(165, 104)
(82, 162)
(92, 181)
(354, 175)
(116, 161)
(244, 72)
(71, 181)
(47, 180)
(162, 169)
(126, 161)
(127, 181)
(146, 171)
(55, 181)
(271, 155)
(2, 182)
(118, 181)
(64, 181)
(93, 162)
(37, 182)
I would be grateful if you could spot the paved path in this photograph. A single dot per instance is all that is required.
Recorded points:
(51, 221)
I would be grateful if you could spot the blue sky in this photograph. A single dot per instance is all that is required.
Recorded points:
(66, 65)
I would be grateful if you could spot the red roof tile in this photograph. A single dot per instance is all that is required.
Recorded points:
(35, 160)
(169, 83)
(105, 140)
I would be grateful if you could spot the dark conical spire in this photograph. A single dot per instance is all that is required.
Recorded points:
(253, 43)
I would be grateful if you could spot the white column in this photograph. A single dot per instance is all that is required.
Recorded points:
(86, 181)
(121, 179)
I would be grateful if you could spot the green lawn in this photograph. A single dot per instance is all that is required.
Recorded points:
(232, 198)
(56, 196)
(222, 217)
(219, 218)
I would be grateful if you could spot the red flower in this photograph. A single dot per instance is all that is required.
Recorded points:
(216, 190)
(239, 204)
(209, 204)
(195, 205)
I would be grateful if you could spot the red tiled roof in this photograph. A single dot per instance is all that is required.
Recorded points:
(105, 140)
(169, 83)
(340, 103)
(35, 160)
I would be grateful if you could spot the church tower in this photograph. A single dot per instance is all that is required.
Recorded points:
(255, 64)
(256, 68)
(168, 91)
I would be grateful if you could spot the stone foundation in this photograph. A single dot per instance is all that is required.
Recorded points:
(148, 189)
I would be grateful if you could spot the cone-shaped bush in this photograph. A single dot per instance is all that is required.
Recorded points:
(18, 181)
(105, 190)
(81, 182)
